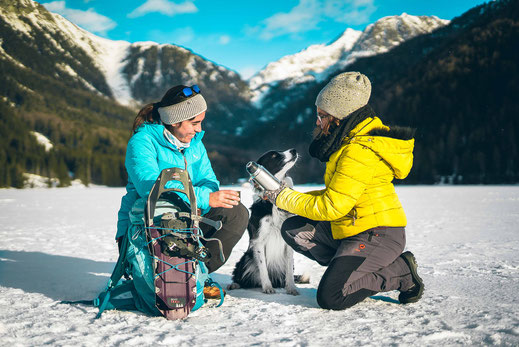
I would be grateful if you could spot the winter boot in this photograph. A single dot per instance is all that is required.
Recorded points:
(414, 293)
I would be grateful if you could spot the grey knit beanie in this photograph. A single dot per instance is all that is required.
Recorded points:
(184, 110)
(345, 93)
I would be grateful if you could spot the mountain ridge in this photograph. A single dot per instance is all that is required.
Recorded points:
(317, 62)
(84, 99)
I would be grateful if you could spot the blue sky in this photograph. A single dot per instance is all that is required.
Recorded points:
(241, 35)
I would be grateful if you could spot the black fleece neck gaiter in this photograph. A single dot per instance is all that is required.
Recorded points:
(324, 146)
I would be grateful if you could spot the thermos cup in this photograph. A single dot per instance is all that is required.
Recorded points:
(262, 177)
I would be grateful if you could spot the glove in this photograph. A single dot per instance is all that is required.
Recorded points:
(271, 195)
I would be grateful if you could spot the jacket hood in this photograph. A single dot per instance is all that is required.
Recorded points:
(394, 144)
(157, 131)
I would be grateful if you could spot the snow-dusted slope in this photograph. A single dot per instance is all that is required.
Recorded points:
(131, 73)
(387, 33)
(317, 62)
(107, 55)
(43, 140)
(62, 36)
(301, 66)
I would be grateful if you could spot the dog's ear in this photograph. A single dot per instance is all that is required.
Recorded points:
(289, 182)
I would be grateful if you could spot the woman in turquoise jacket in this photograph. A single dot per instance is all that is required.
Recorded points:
(169, 134)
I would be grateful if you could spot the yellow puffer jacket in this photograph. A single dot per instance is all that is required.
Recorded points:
(359, 194)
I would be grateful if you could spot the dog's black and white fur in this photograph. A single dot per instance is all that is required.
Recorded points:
(268, 262)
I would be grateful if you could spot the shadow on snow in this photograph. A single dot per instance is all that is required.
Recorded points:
(57, 277)
(67, 278)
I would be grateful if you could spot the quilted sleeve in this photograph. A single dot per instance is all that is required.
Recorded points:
(354, 170)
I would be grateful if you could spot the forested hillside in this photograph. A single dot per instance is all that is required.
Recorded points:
(89, 131)
(457, 86)
(56, 81)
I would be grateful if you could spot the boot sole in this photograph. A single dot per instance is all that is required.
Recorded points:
(413, 266)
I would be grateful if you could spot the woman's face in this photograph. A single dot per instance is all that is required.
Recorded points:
(186, 130)
(323, 118)
(323, 122)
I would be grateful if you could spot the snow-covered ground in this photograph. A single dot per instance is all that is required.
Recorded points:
(57, 244)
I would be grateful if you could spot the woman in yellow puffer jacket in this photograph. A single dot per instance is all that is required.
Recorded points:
(355, 226)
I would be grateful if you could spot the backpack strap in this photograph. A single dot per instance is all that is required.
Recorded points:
(212, 283)
(114, 288)
(214, 223)
(205, 279)
(107, 298)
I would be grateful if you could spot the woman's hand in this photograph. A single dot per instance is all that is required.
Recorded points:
(224, 198)
(272, 195)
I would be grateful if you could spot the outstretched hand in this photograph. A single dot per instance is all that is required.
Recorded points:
(224, 198)
(272, 195)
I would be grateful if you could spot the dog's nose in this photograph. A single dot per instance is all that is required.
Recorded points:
(293, 151)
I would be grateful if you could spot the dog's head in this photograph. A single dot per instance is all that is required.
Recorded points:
(278, 164)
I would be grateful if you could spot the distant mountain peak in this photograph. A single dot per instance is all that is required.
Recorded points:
(390, 31)
(317, 62)
(304, 65)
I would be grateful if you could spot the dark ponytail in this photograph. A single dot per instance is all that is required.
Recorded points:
(147, 114)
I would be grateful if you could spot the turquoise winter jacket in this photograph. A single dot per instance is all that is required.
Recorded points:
(148, 153)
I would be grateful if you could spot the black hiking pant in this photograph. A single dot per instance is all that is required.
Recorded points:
(358, 266)
(234, 222)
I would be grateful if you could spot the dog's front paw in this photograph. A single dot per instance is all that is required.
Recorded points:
(233, 285)
(269, 290)
(292, 291)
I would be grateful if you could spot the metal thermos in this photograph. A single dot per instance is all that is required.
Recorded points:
(262, 177)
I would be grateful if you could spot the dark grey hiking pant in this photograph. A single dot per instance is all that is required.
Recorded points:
(234, 222)
(358, 266)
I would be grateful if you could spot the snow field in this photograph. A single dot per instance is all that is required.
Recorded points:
(57, 244)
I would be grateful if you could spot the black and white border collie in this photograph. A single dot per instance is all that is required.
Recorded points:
(268, 262)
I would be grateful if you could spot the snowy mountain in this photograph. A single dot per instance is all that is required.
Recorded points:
(122, 70)
(302, 66)
(58, 47)
(136, 73)
(82, 91)
(318, 62)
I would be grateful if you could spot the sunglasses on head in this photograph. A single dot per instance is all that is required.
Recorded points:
(188, 91)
